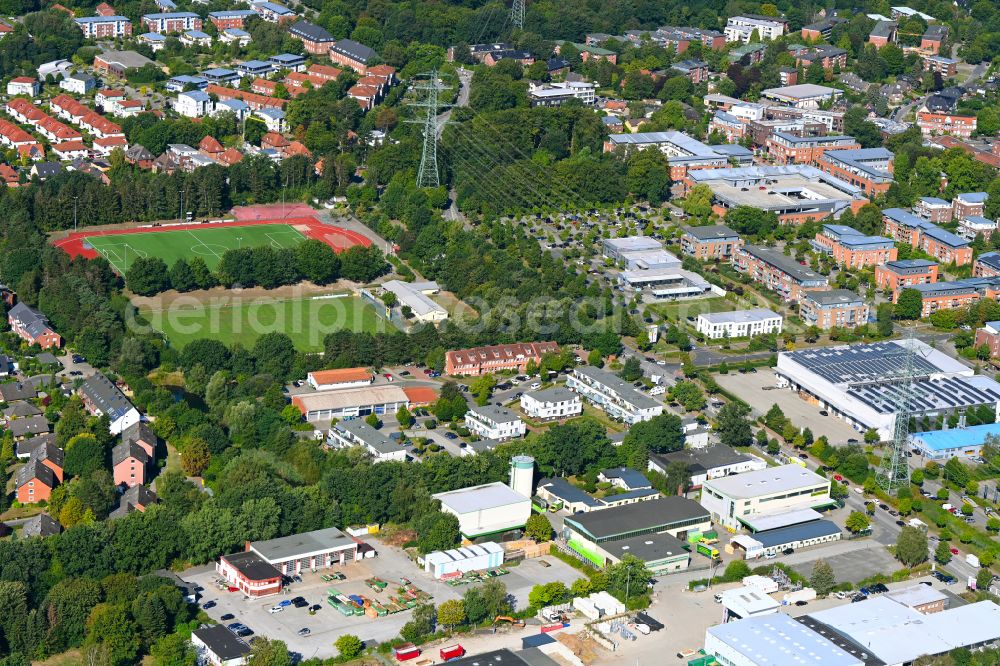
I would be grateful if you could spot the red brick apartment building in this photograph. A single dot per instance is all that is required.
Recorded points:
(956, 294)
(987, 265)
(932, 38)
(934, 209)
(945, 123)
(852, 249)
(785, 148)
(894, 276)
(32, 326)
(989, 335)
(839, 308)
(779, 273)
(946, 247)
(481, 360)
(712, 242)
(351, 54)
(867, 168)
(315, 39)
(969, 204)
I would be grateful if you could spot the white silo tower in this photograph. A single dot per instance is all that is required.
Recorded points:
(522, 475)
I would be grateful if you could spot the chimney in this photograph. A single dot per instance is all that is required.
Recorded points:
(246, 546)
(961, 422)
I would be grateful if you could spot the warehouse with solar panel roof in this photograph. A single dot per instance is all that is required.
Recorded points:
(864, 384)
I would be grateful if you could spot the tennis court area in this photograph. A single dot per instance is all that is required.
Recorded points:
(209, 243)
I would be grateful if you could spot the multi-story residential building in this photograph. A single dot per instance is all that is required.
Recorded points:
(738, 324)
(943, 245)
(781, 274)
(869, 169)
(193, 104)
(712, 242)
(233, 18)
(742, 28)
(822, 29)
(171, 22)
(830, 57)
(695, 71)
(839, 308)
(556, 94)
(492, 422)
(23, 85)
(956, 294)
(682, 38)
(894, 276)
(355, 432)
(130, 463)
(932, 38)
(987, 265)
(102, 398)
(933, 209)
(852, 249)
(78, 84)
(351, 54)
(618, 399)
(102, 27)
(317, 40)
(494, 358)
(946, 67)
(273, 12)
(976, 225)
(969, 204)
(34, 482)
(551, 403)
(944, 123)
(883, 33)
(32, 326)
(989, 335)
(785, 148)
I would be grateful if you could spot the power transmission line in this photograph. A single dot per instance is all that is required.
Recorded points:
(517, 14)
(893, 471)
(427, 174)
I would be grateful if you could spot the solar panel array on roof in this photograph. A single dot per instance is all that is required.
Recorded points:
(876, 362)
(927, 395)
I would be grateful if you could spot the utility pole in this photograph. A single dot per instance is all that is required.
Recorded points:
(517, 14)
(427, 175)
(75, 198)
(894, 471)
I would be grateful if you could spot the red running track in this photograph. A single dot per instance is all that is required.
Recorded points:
(336, 237)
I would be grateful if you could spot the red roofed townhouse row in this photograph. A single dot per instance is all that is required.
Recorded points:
(482, 360)
(946, 123)
(83, 116)
(13, 136)
(25, 112)
(253, 100)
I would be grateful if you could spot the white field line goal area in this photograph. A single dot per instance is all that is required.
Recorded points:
(206, 243)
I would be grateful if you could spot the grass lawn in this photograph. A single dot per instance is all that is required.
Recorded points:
(209, 243)
(675, 310)
(305, 320)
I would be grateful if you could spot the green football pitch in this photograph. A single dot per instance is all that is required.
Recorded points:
(305, 320)
(209, 243)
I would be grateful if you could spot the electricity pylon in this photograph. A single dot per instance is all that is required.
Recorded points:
(517, 14)
(893, 470)
(427, 174)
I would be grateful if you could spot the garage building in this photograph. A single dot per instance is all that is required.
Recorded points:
(319, 549)
(475, 557)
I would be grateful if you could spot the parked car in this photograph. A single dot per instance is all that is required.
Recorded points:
(244, 632)
(304, 631)
(315, 608)
(954, 551)
(823, 412)
(209, 604)
(788, 551)
(227, 617)
(235, 626)
(451, 435)
(275, 609)
(858, 597)
(837, 477)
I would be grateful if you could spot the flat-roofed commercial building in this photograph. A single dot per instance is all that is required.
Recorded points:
(665, 283)
(712, 242)
(774, 638)
(738, 324)
(707, 463)
(796, 193)
(486, 510)
(840, 308)
(684, 153)
(894, 276)
(352, 402)
(781, 274)
(802, 96)
(415, 296)
(319, 549)
(771, 490)
(860, 383)
(599, 536)
(340, 378)
(617, 398)
(250, 573)
(954, 443)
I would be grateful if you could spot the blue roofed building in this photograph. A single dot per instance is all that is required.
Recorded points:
(955, 442)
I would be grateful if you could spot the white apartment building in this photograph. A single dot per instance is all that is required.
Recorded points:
(554, 94)
(768, 491)
(492, 422)
(552, 403)
(355, 432)
(616, 397)
(738, 324)
(193, 104)
(740, 28)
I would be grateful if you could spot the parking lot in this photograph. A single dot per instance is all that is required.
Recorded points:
(327, 624)
(752, 388)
